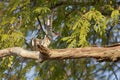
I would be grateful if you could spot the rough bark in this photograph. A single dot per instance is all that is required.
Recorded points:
(99, 53)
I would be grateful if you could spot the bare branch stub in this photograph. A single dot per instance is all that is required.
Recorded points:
(43, 50)
(44, 53)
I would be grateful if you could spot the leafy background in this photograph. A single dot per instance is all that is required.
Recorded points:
(80, 23)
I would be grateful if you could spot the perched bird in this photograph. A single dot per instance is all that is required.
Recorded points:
(35, 42)
(46, 41)
(49, 36)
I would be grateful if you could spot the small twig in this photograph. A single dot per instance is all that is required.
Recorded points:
(114, 72)
(40, 24)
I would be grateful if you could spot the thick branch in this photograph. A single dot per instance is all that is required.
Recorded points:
(100, 53)
(19, 52)
(81, 3)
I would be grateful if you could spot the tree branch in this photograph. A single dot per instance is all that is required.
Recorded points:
(81, 3)
(99, 53)
(40, 24)
(19, 52)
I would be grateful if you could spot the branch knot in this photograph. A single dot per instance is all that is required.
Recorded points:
(44, 53)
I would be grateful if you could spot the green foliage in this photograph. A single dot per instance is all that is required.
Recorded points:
(41, 10)
(81, 26)
(98, 21)
(115, 17)
(8, 61)
(11, 39)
